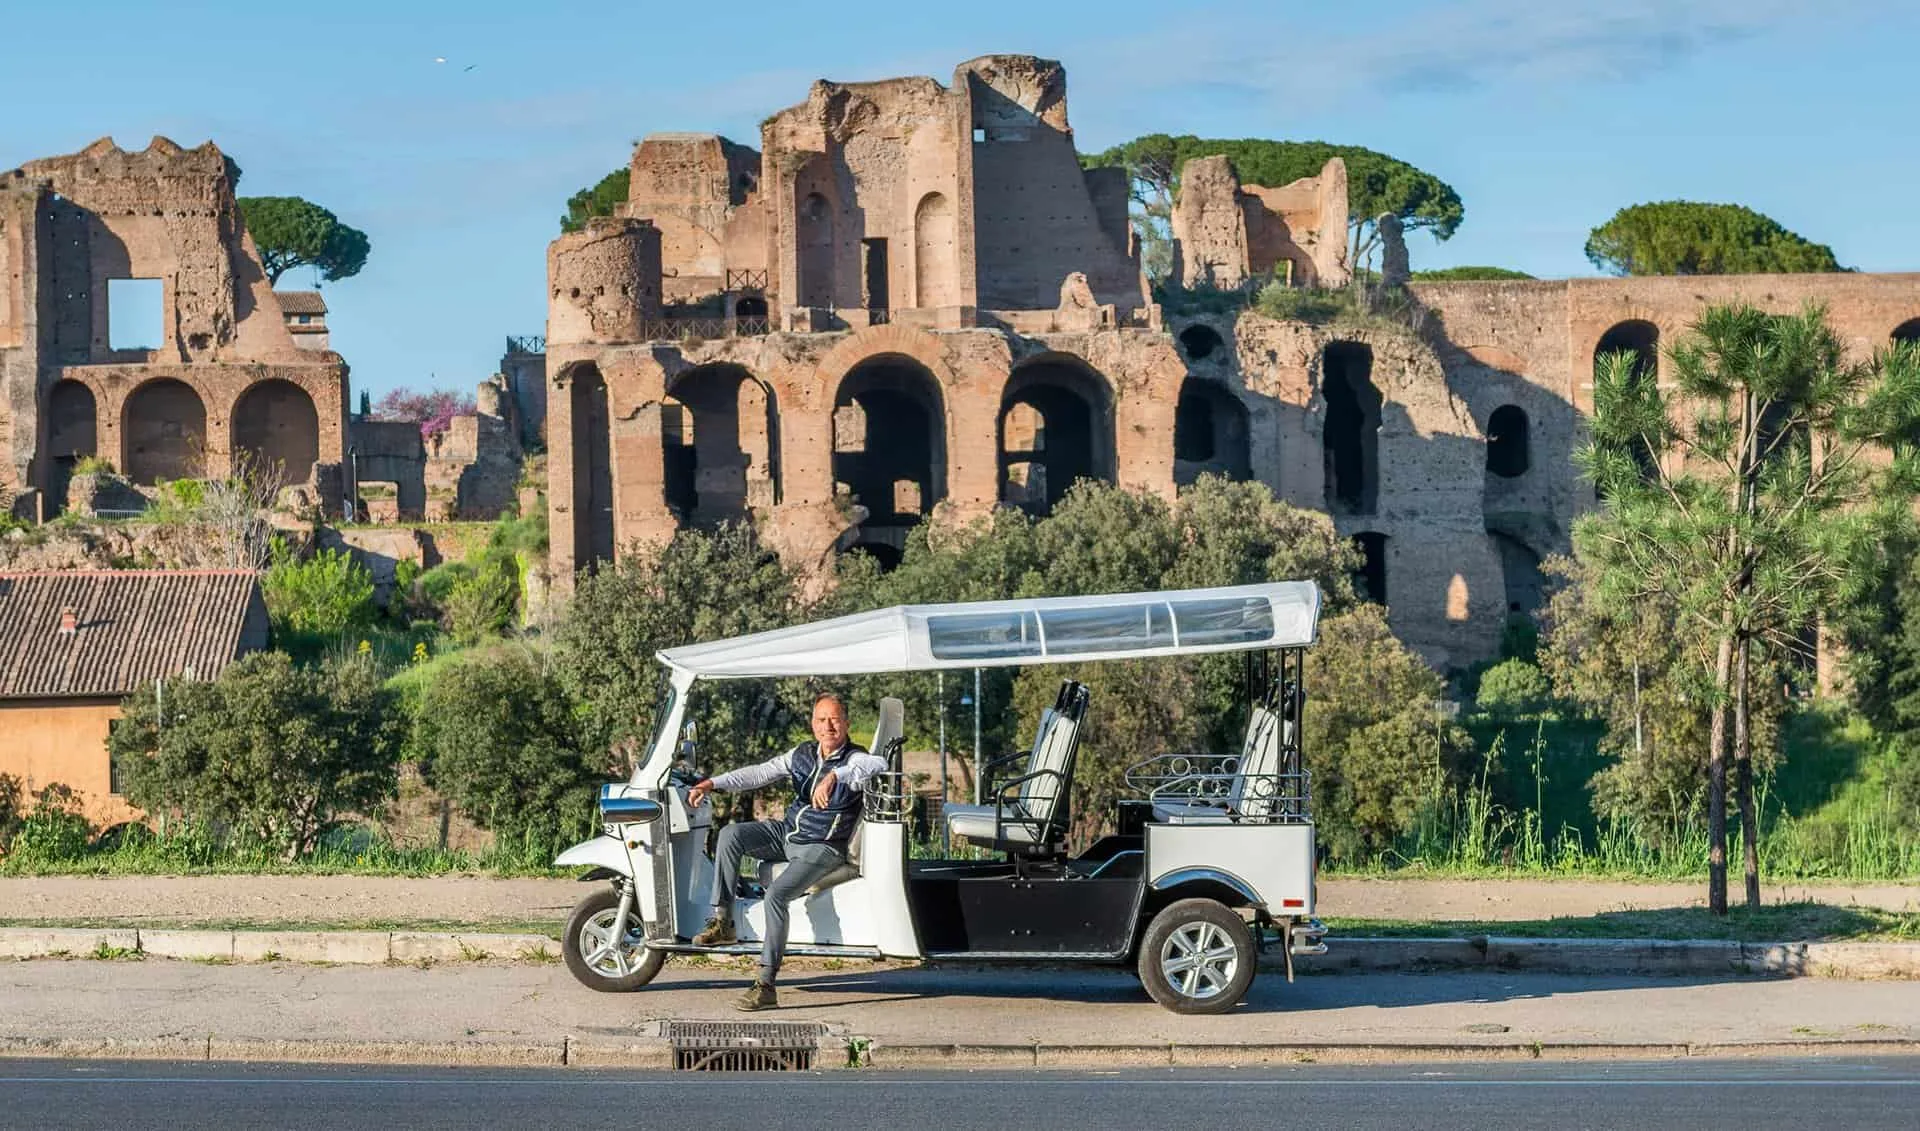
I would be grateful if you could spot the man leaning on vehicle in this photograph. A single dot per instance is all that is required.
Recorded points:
(829, 776)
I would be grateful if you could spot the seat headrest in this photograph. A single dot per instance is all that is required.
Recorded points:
(891, 725)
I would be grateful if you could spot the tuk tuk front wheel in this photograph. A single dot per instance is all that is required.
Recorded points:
(1197, 957)
(600, 961)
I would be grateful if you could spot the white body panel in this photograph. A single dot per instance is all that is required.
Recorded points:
(601, 852)
(870, 910)
(1274, 862)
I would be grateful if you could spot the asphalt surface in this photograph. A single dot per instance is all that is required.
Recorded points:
(1852, 1093)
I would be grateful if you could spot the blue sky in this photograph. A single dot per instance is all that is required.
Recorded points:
(1546, 115)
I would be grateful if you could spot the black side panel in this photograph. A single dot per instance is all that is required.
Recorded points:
(1036, 916)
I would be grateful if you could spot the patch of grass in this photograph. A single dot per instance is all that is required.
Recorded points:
(1786, 922)
(539, 954)
(550, 929)
(107, 952)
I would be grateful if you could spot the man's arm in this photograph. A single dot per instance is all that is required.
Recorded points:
(774, 769)
(859, 768)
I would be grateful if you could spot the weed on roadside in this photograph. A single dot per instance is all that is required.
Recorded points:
(859, 1052)
(537, 954)
(107, 952)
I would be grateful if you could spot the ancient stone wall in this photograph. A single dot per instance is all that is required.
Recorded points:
(1225, 232)
(224, 386)
(604, 280)
(701, 192)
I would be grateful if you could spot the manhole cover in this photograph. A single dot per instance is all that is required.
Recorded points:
(744, 1046)
(1486, 1027)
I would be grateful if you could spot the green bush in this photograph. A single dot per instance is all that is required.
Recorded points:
(500, 737)
(277, 752)
(9, 810)
(321, 598)
(93, 465)
(483, 602)
(55, 830)
(1513, 690)
(1311, 305)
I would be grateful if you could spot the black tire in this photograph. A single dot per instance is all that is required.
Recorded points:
(1210, 950)
(587, 929)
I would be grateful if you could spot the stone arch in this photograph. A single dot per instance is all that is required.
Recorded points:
(592, 443)
(728, 466)
(1520, 573)
(1351, 440)
(1636, 336)
(73, 434)
(890, 439)
(1371, 578)
(1210, 433)
(277, 428)
(1075, 437)
(813, 232)
(1201, 342)
(1509, 452)
(163, 429)
(936, 267)
(749, 308)
(1908, 331)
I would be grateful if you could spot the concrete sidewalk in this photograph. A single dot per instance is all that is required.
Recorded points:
(485, 1013)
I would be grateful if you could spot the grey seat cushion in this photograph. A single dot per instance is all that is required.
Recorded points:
(976, 823)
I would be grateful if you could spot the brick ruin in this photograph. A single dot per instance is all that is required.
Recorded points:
(912, 302)
(216, 378)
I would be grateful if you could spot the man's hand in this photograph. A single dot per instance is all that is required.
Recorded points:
(699, 792)
(823, 792)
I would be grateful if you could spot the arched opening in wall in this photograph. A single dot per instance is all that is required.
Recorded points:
(1209, 434)
(73, 432)
(1371, 579)
(1508, 453)
(813, 231)
(1200, 342)
(592, 436)
(885, 555)
(164, 431)
(751, 310)
(720, 442)
(936, 269)
(1908, 331)
(276, 430)
(1520, 574)
(1352, 438)
(1640, 339)
(890, 441)
(1072, 440)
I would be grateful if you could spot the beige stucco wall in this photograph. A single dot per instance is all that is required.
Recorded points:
(64, 740)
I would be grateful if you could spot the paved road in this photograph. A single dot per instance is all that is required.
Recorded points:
(1692, 1094)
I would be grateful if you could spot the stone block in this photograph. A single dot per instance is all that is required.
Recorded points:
(62, 942)
(360, 948)
(187, 944)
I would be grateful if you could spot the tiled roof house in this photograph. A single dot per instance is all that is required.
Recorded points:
(74, 644)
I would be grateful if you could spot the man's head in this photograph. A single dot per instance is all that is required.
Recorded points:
(830, 722)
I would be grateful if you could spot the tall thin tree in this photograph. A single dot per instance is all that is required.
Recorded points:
(1753, 492)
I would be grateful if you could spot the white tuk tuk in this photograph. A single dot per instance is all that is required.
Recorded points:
(1212, 858)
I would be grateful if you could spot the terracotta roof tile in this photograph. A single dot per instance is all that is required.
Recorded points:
(301, 302)
(132, 627)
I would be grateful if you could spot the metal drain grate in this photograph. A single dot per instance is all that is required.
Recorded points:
(744, 1046)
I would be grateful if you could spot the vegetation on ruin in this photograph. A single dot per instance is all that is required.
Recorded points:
(293, 232)
(1376, 182)
(607, 193)
(1683, 237)
(432, 409)
(1470, 275)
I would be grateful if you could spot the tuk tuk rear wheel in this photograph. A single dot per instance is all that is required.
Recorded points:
(599, 961)
(1197, 956)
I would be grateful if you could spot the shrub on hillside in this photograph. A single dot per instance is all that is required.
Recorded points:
(499, 736)
(277, 752)
(321, 598)
(55, 829)
(1513, 690)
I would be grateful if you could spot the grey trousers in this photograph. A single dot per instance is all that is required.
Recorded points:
(766, 840)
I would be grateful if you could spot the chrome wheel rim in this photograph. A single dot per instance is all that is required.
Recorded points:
(1199, 960)
(600, 952)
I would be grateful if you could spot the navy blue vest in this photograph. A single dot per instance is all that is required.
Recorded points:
(834, 824)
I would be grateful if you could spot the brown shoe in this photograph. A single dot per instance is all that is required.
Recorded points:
(719, 932)
(759, 996)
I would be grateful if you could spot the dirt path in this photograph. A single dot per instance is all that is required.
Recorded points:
(479, 899)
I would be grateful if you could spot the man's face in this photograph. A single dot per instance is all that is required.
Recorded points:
(829, 724)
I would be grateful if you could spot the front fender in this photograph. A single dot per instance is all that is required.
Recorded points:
(601, 852)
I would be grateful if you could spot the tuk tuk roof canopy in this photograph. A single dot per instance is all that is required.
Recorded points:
(1045, 630)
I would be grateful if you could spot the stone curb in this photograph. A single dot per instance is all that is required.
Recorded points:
(568, 1052)
(1851, 960)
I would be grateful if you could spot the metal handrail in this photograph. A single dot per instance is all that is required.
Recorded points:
(1210, 781)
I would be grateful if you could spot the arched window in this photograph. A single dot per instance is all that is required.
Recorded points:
(593, 533)
(1352, 436)
(1200, 342)
(1209, 433)
(936, 269)
(728, 466)
(1508, 455)
(164, 431)
(893, 453)
(277, 430)
(1908, 331)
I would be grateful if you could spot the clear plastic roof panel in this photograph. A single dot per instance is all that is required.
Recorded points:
(1009, 633)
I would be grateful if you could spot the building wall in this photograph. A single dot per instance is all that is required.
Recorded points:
(64, 741)
(167, 214)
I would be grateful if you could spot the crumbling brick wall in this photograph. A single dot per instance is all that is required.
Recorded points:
(1225, 233)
